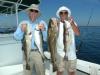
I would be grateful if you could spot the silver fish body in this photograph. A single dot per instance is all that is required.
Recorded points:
(26, 45)
(38, 37)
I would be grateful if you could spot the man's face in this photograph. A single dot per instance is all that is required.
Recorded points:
(33, 14)
(63, 15)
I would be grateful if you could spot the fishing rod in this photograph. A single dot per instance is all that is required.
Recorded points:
(81, 37)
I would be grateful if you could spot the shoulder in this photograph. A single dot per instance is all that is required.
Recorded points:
(39, 20)
(42, 21)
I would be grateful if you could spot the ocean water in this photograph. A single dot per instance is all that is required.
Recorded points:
(89, 44)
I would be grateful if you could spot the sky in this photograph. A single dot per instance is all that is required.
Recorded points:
(81, 11)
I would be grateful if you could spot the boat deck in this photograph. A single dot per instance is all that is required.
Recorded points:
(18, 70)
(11, 59)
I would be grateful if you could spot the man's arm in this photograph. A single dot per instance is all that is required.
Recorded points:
(75, 27)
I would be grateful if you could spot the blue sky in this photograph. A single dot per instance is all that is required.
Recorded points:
(80, 9)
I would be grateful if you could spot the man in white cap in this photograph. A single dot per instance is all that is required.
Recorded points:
(66, 51)
(35, 57)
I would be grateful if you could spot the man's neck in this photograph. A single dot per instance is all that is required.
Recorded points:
(32, 20)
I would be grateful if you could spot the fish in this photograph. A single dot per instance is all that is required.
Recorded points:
(65, 33)
(38, 39)
(67, 38)
(26, 45)
(52, 38)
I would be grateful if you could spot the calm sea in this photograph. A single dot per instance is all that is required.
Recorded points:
(89, 44)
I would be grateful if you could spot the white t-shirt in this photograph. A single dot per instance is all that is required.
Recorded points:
(71, 52)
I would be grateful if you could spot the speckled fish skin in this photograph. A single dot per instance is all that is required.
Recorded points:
(52, 38)
(26, 46)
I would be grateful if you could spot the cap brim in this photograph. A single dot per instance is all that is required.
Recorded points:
(33, 9)
(27, 10)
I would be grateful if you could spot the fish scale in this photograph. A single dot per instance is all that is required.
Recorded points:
(52, 36)
(65, 34)
(26, 45)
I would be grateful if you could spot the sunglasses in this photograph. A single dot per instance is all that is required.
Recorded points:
(36, 11)
(63, 13)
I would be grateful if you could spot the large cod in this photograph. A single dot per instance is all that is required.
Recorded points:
(52, 38)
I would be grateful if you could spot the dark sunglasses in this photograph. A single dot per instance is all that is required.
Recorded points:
(36, 11)
(63, 13)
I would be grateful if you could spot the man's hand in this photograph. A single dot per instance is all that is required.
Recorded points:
(74, 26)
(23, 27)
(71, 19)
(41, 27)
